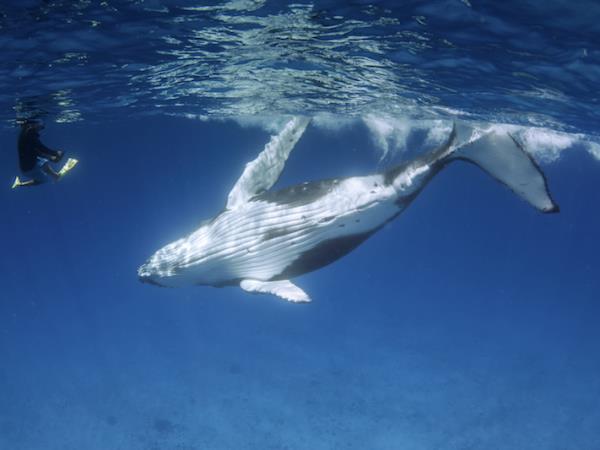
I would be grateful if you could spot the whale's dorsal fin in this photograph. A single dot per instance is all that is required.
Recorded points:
(284, 289)
(262, 173)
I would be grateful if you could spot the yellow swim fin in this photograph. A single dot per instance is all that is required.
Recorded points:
(17, 183)
(71, 162)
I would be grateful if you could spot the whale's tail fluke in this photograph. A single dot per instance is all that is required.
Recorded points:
(498, 153)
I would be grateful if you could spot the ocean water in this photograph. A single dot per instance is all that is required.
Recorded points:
(469, 322)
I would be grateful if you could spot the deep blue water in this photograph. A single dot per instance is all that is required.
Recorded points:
(470, 322)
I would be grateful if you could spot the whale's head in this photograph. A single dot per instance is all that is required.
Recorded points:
(183, 262)
(147, 275)
(164, 267)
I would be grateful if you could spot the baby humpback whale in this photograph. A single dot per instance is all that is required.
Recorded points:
(264, 238)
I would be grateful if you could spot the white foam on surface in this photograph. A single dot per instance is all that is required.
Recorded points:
(546, 145)
(271, 124)
(594, 149)
(391, 134)
(333, 122)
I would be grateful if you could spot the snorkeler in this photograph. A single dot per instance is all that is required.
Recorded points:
(35, 157)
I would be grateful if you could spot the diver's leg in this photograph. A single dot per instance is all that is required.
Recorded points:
(19, 183)
(28, 183)
(57, 155)
(50, 172)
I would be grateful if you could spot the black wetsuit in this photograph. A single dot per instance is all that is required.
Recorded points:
(30, 148)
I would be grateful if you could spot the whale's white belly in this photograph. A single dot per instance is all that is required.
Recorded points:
(261, 239)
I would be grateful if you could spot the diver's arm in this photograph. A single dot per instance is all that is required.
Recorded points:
(45, 152)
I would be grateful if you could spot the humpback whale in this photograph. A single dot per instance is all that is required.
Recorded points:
(264, 238)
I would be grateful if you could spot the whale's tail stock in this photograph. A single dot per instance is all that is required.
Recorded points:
(499, 154)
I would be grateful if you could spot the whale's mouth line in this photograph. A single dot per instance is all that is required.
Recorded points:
(148, 280)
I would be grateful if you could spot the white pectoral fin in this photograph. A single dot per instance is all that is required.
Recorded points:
(262, 173)
(284, 289)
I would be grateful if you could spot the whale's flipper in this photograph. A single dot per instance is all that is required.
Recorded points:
(262, 173)
(498, 153)
(284, 289)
